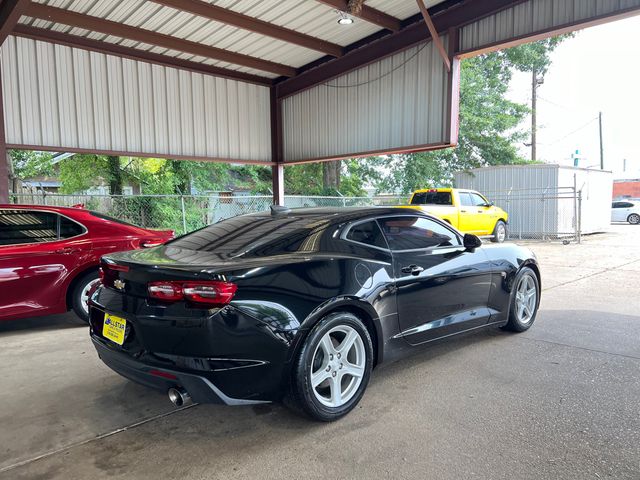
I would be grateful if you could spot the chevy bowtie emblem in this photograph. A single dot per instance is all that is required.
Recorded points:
(118, 284)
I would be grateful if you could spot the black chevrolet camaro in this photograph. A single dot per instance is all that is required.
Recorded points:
(301, 305)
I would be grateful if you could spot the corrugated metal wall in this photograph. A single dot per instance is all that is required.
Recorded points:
(535, 16)
(529, 194)
(57, 96)
(509, 178)
(399, 101)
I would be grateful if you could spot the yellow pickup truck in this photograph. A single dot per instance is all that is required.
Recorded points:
(466, 210)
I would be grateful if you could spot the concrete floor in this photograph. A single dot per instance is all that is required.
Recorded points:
(560, 401)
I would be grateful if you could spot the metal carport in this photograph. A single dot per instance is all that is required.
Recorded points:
(271, 82)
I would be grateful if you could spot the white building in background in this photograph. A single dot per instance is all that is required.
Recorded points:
(545, 199)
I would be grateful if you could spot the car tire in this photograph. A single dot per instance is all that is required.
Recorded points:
(633, 219)
(523, 308)
(499, 232)
(345, 370)
(79, 294)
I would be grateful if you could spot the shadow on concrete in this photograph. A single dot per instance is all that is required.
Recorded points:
(47, 322)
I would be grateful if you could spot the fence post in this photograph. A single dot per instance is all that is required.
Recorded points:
(184, 216)
(579, 219)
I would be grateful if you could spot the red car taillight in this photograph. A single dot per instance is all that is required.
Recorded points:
(210, 293)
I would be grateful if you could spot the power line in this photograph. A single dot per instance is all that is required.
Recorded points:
(371, 80)
(574, 131)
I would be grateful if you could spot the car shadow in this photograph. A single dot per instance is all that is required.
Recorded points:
(48, 322)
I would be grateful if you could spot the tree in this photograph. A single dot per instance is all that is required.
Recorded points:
(28, 163)
(490, 124)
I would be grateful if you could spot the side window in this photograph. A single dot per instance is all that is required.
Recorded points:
(24, 226)
(368, 233)
(412, 233)
(69, 228)
(465, 199)
(477, 200)
(616, 205)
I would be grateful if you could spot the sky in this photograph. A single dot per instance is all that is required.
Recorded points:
(597, 70)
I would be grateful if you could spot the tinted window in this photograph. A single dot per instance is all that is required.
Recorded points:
(368, 233)
(465, 199)
(410, 233)
(431, 198)
(258, 235)
(625, 205)
(111, 219)
(24, 226)
(69, 228)
(616, 205)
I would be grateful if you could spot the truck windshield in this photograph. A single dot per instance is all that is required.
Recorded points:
(432, 198)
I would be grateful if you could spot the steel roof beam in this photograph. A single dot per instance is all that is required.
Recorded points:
(252, 24)
(95, 24)
(10, 13)
(434, 34)
(459, 14)
(85, 43)
(368, 14)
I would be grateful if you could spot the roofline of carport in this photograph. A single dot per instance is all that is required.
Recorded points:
(84, 43)
(551, 32)
(374, 153)
(383, 45)
(120, 153)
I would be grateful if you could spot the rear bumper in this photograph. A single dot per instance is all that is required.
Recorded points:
(200, 388)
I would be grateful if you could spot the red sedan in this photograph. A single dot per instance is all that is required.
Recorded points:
(49, 256)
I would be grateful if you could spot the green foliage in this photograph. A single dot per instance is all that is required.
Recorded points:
(355, 174)
(27, 163)
(490, 124)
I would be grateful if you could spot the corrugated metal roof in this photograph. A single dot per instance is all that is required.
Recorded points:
(304, 16)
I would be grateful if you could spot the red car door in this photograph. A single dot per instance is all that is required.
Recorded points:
(36, 261)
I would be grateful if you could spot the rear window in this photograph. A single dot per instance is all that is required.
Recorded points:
(431, 198)
(111, 219)
(258, 236)
(32, 226)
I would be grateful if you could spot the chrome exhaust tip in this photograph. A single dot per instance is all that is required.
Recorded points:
(179, 397)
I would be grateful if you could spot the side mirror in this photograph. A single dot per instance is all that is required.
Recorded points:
(488, 204)
(471, 242)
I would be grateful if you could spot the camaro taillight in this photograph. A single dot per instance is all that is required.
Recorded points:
(207, 293)
(109, 273)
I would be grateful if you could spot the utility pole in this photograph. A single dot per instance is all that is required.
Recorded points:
(534, 105)
(601, 145)
(535, 83)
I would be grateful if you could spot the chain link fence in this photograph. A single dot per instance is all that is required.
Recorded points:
(541, 214)
(185, 213)
(536, 214)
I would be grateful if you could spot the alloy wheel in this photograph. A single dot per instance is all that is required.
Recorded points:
(526, 299)
(84, 295)
(501, 233)
(338, 366)
(634, 219)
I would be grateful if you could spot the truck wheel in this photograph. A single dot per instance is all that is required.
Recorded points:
(499, 232)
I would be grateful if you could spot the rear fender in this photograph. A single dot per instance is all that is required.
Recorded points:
(358, 307)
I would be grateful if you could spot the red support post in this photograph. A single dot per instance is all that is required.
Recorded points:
(277, 170)
(4, 156)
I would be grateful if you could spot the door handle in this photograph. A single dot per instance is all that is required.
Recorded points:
(412, 269)
(463, 211)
